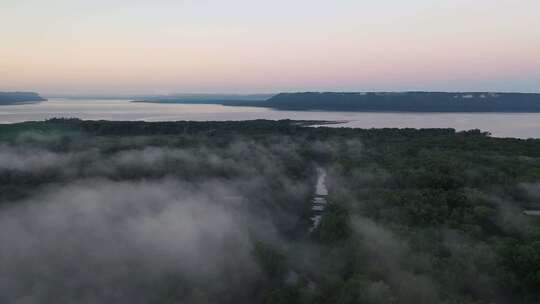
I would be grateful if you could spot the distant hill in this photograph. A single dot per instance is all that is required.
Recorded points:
(371, 101)
(224, 99)
(8, 98)
(408, 101)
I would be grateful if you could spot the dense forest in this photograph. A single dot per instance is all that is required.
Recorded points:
(19, 97)
(219, 212)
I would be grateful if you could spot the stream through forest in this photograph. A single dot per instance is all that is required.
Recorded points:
(319, 201)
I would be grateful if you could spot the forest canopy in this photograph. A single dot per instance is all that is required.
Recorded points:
(219, 212)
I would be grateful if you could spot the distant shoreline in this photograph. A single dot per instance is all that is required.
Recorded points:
(332, 110)
(17, 103)
(18, 98)
(403, 102)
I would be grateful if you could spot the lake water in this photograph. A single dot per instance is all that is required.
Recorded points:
(522, 125)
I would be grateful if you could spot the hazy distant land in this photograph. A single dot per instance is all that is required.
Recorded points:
(345, 101)
(9, 98)
(372, 101)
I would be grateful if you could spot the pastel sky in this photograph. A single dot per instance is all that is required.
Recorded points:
(240, 46)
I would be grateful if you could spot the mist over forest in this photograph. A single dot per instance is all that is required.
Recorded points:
(220, 212)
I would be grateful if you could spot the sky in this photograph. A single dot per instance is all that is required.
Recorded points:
(250, 46)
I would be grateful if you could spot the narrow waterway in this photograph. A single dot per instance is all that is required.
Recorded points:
(318, 205)
(319, 201)
(532, 212)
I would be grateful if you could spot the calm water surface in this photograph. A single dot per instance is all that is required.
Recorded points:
(522, 125)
